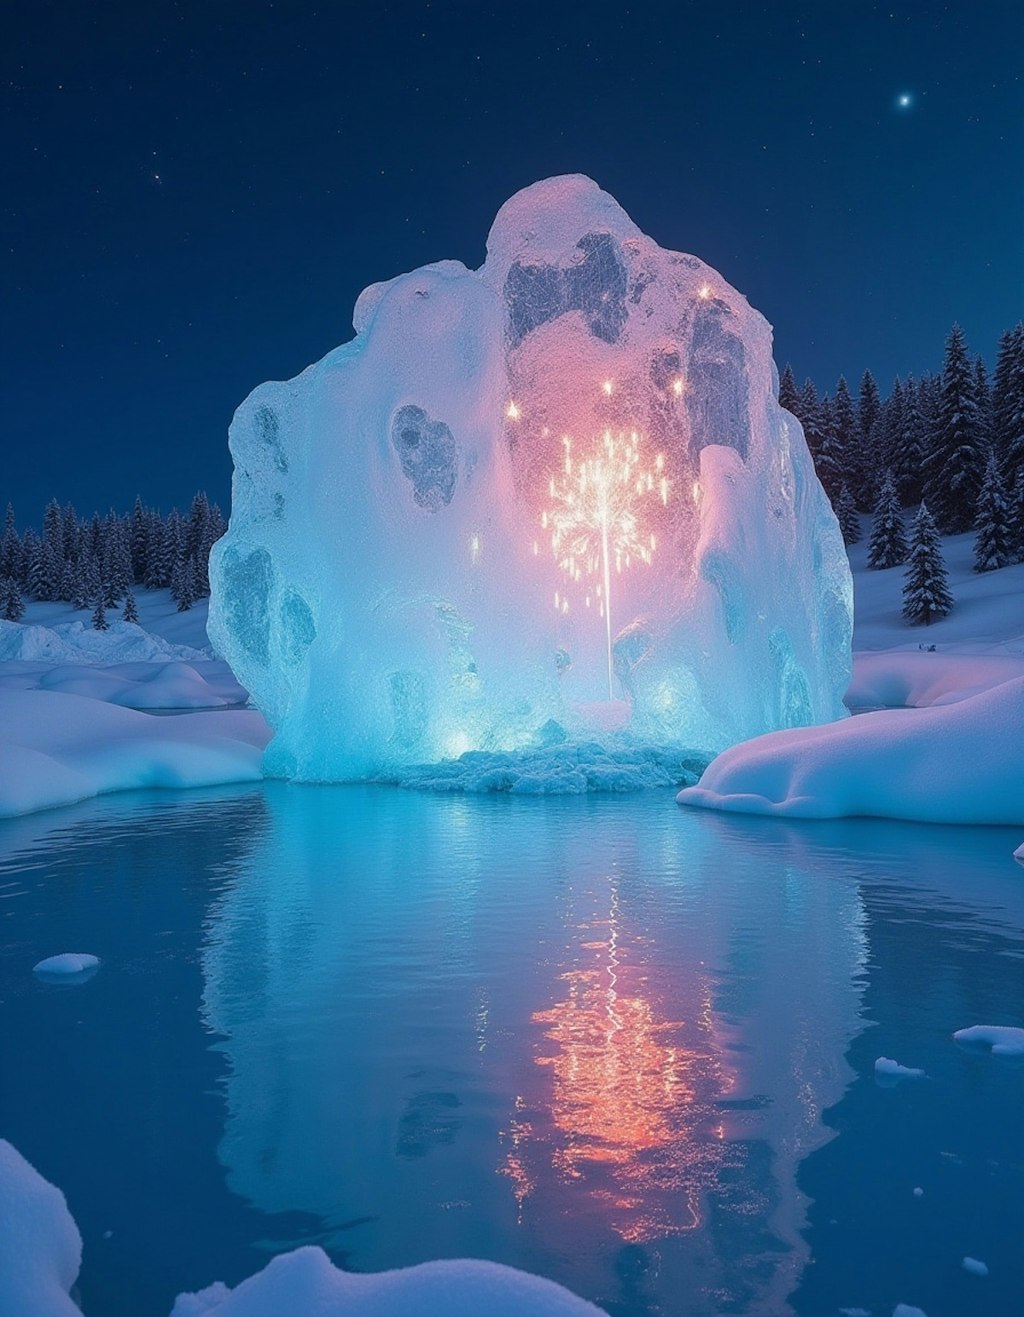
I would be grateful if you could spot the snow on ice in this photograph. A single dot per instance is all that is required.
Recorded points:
(69, 964)
(559, 481)
(885, 1068)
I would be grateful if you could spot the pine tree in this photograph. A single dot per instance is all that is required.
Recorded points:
(846, 514)
(131, 613)
(11, 601)
(99, 617)
(10, 546)
(1008, 404)
(869, 407)
(809, 415)
(82, 592)
(926, 595)
(887, 546)
(1017, 519)
(983, 397)
(956, 462)
(993, 544)
(788, 396)
(845, 450)
(828, 462)
(183, 586)
(139, 541)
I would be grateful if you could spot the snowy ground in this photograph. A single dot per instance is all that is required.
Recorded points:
(958, 763)
(77, 706)
(944, 744)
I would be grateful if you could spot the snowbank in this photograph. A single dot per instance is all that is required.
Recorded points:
(40, 1247)
(954, 763)
(41, 1252)
(56, 749)
(76, 642)
(1004, 1040)
(915, 679)
(206, 684)
(306, 1282)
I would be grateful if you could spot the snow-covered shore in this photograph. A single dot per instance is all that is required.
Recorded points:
(945, 743)
(76, 710)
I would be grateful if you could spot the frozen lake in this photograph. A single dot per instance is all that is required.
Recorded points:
(620, 1044)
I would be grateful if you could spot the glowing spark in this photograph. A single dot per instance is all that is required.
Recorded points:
(513, 412)
(677, 388)
(595, 517)
(705, 292)
(607, 387)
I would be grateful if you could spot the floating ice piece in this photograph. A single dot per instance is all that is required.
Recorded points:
(1018, 854)
(558, 482)
(975, 1267)
(306, 1282)
(918, 1192)
(40, 1247)
(892, 1070)
(67, 964)
(1003, 1039)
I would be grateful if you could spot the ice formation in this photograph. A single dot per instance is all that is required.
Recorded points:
(553, 498)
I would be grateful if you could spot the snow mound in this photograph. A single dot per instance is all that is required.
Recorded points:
(957, 763)
(67, 964)
(40, 1247)
(144, 684)
(889, 1069)
(915, 679)
(75, 642)
(57, 749)
(560, 770)
(975, 1267)
(306, 1282)
(1002, 1039)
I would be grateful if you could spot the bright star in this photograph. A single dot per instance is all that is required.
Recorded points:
(904, 100)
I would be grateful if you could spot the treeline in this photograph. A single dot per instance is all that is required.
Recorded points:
(95, 563)
(952, 443)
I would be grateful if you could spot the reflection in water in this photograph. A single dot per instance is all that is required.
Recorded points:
(633, 1023)
(606, 1041)
(632, 1115)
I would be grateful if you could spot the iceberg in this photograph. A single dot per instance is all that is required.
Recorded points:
(552, 500)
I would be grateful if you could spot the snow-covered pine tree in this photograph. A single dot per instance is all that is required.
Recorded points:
(10, 547)
(983, 396)
(869, 406)
(808, 413)
(82, 592)
(788, 396)
(887, 546)
(1008, 404)
(99, 616)
(30, 550)
(955, 464)
(926, 594)
(11, 601)
(184, 590)
(993, 543)
(845, 454)
(1017, 519)
(139, 541)
(846, 514)
(131, 612)
(66, 589)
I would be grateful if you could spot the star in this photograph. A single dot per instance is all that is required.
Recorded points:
(904, 100)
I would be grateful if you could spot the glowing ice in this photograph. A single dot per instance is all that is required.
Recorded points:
(532, 502)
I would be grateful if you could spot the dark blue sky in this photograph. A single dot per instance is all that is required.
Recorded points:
(194, 194)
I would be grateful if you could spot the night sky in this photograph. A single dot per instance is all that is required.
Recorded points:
(194, 194)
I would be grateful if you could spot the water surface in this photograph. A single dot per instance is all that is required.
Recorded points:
(624, 1045)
